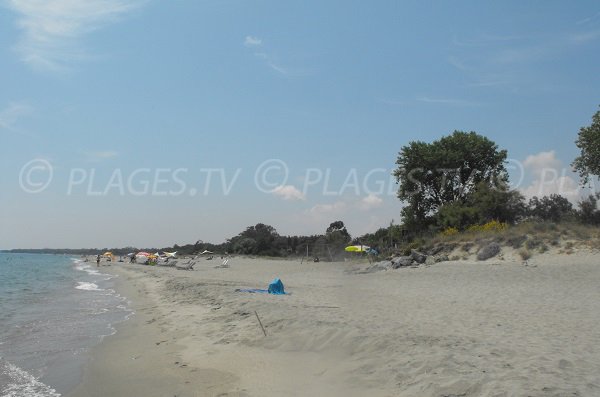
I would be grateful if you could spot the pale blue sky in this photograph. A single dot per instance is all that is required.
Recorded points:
(115, 86)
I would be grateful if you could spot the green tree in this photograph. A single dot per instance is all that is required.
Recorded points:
(588, 210)
(498, 203)
(588, 141)
(337, 237)
(553, 208)
(445, 171)
(485, 204)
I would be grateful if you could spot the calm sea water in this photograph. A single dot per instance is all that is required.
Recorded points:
(53, 309)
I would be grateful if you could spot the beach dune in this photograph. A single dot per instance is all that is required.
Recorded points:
(451, 329)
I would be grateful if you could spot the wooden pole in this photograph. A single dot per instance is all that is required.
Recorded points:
(261, 326)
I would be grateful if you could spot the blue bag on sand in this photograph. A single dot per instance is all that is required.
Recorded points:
(276, 287)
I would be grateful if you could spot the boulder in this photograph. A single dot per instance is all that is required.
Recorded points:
(401, 261)
(488, 251)
(441, 258)
(417, 256)
(430, 261)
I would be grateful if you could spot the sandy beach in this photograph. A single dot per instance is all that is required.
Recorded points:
(493, 328)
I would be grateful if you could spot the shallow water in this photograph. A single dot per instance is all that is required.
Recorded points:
(53, 309)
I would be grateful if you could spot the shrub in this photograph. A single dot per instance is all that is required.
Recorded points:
(492, 226)
(516, 241)
(525, 254)
(533, 243)
(451, 231)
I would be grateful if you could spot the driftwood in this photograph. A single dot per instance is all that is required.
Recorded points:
(260, 322)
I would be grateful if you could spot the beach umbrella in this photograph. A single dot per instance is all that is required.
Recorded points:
(357, 248)
(142, 253)
(130, 254)
(107, 253)
(206, 252)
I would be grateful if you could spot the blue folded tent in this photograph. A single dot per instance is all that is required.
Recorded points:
(276, 287)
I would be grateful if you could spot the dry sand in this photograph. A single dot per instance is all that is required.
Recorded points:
(452, 329)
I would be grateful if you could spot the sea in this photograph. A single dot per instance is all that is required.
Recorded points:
(53, 310)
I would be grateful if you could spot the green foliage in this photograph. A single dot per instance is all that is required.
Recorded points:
(588, 141)
(554, 208)
(484, 205)
(445, 171)
(498, 203)
(456, 215)
(588, 210)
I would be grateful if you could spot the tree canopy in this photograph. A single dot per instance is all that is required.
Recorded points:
(588, 141)
(445, 171)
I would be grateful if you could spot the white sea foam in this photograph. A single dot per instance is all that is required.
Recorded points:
(88, 286)
(22, 384)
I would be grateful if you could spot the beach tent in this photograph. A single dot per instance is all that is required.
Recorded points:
(276, 287)
(205, 252)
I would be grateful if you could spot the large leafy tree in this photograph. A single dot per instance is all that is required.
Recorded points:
(337, 235)
(588, 141)
(445, 171)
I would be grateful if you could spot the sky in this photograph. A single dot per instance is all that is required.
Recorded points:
(153, 123)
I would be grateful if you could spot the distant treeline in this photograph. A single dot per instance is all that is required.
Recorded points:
(259, 240)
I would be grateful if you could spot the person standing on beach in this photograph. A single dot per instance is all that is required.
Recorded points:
(98, 261)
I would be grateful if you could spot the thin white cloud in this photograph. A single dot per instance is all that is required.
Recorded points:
(584, 37)
(101, 155)
(271, 60)
(278, 69)
(448, 101)
(336, 208)
(51, 29)
(483, 40)
(457, 63)
(339, 207)
(288, 192)
(12, 113)
(370, 202)
(588, 19)
(252, 41)
(488, 83)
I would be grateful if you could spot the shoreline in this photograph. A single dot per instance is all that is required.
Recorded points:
(462, 328)
(139, 358)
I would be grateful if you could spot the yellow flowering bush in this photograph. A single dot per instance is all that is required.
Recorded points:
(491, 226)
(451, 231)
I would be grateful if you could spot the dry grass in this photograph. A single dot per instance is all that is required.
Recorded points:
(524, 254)
(528, 237)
